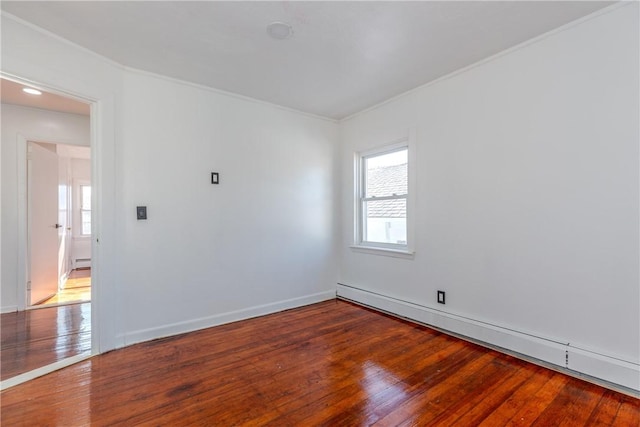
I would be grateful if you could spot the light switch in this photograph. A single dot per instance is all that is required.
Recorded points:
(215, 178)
(142, 212)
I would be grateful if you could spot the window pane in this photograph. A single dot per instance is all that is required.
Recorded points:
(85, 197)
(386, 174)
(86, 222)
(385, 221)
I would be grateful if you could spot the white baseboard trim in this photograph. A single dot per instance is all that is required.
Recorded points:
(19, 379)
(610, 369)
(142, 335)
(8, 309)
(562, 355)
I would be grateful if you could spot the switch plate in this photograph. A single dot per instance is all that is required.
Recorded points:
(141, 211)
(441, 297)
(215, 178)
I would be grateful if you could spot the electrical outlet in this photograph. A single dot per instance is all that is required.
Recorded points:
(215, 178)
(441, 297)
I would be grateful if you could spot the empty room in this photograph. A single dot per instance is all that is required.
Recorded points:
(320, 213)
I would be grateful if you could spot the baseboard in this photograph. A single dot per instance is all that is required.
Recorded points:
(220, 319)
(609, 369)
(80, 263)
(8, 309)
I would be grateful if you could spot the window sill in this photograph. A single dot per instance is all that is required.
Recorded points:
(395, 253)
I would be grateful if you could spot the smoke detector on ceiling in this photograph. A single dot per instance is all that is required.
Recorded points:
(279, 30)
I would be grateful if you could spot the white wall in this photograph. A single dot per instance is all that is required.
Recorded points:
(42, 59)
(263, 236)
(526, 196)
(37, 125)
(261, 241)
(527, 193)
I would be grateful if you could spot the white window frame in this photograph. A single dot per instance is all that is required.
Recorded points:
(77, 208)
(376, 248)
(81, 219)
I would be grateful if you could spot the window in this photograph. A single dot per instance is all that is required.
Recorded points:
(383, 191)
(85, 209)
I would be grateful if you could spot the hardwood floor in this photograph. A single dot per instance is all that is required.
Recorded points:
(77, 288)
(34, 338)
(332, 364)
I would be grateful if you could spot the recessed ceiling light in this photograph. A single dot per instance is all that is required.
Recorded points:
(279, 30)
(31, 91)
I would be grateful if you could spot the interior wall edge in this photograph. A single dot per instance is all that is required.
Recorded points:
(491, 58)
(606, 368)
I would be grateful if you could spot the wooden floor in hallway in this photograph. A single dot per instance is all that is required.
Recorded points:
(31, 339)
(77, 288)
(327, 364)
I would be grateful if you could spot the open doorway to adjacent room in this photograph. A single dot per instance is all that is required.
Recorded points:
(59, 254)
(50, 137)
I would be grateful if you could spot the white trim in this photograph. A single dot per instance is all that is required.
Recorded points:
(220, 319)
(407, 142)
(494, 57)
(27, 376)
(507, 51)
(23, 237)
(226, 93)
(76, 209)
(95, 145)
(9, 309)
(57, 304)
(604, 367)
(608, 368)
(126, 68)
(50, 89)
(377, 250)
(58, 38)
(388, 148)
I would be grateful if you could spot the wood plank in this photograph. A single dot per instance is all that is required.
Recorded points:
(518, 399)
(332, 363)
(572, 406)
(605, 412)
(34, 338)
(628, 413)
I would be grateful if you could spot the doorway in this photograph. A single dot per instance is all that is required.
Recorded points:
(58, 224)
(49, 134)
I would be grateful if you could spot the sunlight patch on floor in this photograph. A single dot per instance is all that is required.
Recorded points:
(76, 289)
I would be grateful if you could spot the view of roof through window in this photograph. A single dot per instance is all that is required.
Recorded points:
(385, 198)
(386, 175)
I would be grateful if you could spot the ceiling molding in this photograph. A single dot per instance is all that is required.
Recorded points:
(496, 56)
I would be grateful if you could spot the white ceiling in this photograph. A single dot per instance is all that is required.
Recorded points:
(11, 93)
(342, 58)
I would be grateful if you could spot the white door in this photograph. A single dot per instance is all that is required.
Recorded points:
(43, 226)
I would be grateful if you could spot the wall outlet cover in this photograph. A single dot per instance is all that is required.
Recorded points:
(441, 299)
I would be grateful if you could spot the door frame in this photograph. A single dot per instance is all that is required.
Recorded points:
(96, 189)
(24, 231)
